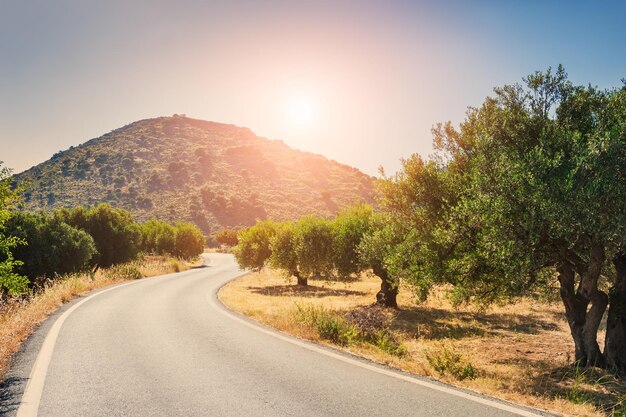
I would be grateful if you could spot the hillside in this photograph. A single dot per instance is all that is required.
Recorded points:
(178, 168)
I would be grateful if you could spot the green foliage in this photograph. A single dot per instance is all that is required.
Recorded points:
(124, 272)
(530, 180)
(329, 325)
(313, 245)
(349, 227)
(349, 329)
(184, 240)
(114, 232)
(283, 255)
(253, 250)
(52, 247)
(158, 237)
(10, 281)
(226, 237)
(447, 360)
(189, 241)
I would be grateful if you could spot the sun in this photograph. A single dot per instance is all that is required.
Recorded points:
(302, 112)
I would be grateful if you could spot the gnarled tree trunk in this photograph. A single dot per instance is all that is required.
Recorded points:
(301, 280)
(599, 300)
(615, 343)
(388, 294)
(584, 324)
(575, 310)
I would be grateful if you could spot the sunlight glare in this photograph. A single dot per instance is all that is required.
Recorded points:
(302, 112)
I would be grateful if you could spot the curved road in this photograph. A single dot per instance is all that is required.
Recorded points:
(166, 346)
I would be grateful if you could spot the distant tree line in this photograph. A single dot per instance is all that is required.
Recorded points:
(38, 247)
(528, 194)
(322, 248)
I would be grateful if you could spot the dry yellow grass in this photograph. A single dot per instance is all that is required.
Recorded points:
(18, 319)
(521, 352)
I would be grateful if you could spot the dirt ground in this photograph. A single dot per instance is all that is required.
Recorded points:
(521, 352)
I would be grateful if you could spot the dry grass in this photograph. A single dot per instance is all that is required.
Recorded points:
(19, 318)
(519, 352)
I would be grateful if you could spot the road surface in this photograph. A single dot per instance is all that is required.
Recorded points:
(166, 346)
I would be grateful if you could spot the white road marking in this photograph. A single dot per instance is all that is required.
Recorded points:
(388, 372)
(29, 405)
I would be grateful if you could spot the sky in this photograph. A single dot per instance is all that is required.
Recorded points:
(361, 82)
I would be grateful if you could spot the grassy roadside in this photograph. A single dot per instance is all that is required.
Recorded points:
(19, 318)
(519, 353)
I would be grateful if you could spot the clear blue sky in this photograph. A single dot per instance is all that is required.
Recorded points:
(374, 76)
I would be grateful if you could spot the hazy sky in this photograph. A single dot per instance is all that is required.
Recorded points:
(365, 79)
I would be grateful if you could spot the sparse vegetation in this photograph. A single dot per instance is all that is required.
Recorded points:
(447, 360)
(180, 169)
(516, 352)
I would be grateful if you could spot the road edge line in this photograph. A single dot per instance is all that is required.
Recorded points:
(31, 397)
(29, 404)
(312, 346)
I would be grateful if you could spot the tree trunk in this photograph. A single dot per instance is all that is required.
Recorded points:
(301, 281)
(599, 300)
(575, 310)
(388, 294)
(615, 343)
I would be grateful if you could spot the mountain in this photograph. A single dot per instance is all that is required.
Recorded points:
(177, 168)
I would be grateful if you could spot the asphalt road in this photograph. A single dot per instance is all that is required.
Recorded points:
(166, 346)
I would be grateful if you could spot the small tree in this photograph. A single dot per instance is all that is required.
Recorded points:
(313, 244)
(253, 250)
(376, 250)
(283, 254)
(189, 240)
(349, 227)
(226, 237)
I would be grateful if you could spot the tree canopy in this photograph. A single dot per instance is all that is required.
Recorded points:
(532, 186)
(10, 281)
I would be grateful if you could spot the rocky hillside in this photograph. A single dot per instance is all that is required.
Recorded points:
(178, 168)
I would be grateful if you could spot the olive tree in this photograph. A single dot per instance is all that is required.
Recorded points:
(253, 247)
(283, 251)
(313, 245)
(538, 192)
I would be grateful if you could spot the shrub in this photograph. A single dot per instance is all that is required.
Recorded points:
(124, 272)
(349, 227)
(114, 232)
(329, 326)
(157, 237)
(226, 237)
(189, 241)
(253, 249)
(52, 247)
(448, 360)
(373, 324)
